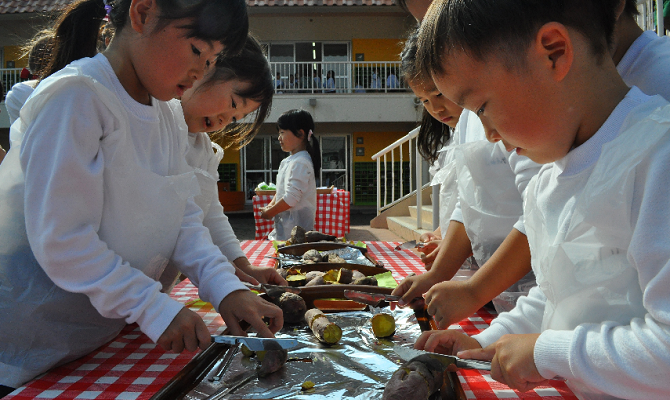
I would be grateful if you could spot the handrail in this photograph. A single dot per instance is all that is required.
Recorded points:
(411, 135)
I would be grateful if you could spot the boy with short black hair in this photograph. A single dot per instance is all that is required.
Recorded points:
(540, 76)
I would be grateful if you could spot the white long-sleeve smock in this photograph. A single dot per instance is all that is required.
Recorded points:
(204, 157)
(597, 224)
(17, 97)
(646, 64)
(296, 185)
(95, 198)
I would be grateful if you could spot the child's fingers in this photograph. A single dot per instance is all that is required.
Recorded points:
(485, 354)
(203, 336)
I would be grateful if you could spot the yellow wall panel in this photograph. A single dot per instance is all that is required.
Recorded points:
(377, 49)
(14, 53)
(376, 141)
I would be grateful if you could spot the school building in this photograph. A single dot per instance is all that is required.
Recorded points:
(361, 110)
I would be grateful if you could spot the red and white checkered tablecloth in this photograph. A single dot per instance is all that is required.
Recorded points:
(332, 214)
(132, 367)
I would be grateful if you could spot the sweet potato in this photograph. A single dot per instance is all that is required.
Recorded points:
(383, 325)
(416, 379)
(325, 331)
(368, 280)
(296, 280)
(312, 275)
(271, 359)
(312, 255)
(346, 275)
(335, 259)
(318, 281)
(316, 236)
(297, 235)
(293, 306)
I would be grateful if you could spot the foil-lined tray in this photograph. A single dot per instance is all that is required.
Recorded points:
(358, 367)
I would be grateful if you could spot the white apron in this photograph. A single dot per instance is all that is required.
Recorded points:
(43, 325)
(445, 176)
(584, 272)
(205, 162)
(489, 198)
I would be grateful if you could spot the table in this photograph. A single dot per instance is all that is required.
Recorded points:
(332, 214)
(132, 367)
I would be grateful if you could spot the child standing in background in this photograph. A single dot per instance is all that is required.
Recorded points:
(294, 203)
(97, 197)
(597, 214)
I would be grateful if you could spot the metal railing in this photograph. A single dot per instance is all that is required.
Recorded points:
(9, 77)
(338, 77)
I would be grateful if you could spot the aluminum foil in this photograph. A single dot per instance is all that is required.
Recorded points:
(358, 367)
(350, 255)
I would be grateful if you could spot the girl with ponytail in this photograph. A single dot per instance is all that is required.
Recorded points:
(97, 195)
(294, 203)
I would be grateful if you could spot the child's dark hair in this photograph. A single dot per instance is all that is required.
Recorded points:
(301, 120)
(249, 66)
(505, 28)
(631, 8)
(76, 30)
(39, 52)
(433, 134)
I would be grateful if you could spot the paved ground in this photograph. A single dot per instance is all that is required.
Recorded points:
(243, 226)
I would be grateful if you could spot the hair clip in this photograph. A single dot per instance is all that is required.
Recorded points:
(309, 135)
(108, 9)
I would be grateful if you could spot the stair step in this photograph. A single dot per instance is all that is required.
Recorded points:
(426, 214)
(405, 227)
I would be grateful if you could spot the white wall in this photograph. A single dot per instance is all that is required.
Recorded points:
(397, 107)
(329, 27)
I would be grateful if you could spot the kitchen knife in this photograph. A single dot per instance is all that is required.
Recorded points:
(370, 299)
(407, 354)
(256, 343)
(406, 245)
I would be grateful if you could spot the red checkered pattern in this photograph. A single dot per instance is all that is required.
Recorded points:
(332, 214)
(132, 367)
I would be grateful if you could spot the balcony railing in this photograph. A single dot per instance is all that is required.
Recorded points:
(9, 76)
(338, 77)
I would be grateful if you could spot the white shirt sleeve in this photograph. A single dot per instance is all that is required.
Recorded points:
(526, 317)
(64, 198)
(298, 178)
(629, 361)
(17, 97)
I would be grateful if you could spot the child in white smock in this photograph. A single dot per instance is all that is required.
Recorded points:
(238, 87)
(484, 186)
(97, 197)
(294, 203)
(596, 215)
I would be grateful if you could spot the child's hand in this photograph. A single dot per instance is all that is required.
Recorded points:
(512, 361)
(429, 247)
(244, 277)
(266, 275)
(413, 286)
(245, 305)
(264, 213)
(187, 330)
(451, 301)
(446, 342)
(427, 237)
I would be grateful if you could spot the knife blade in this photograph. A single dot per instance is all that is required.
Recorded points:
(256, 343)
(407, 245)
(407, 354)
